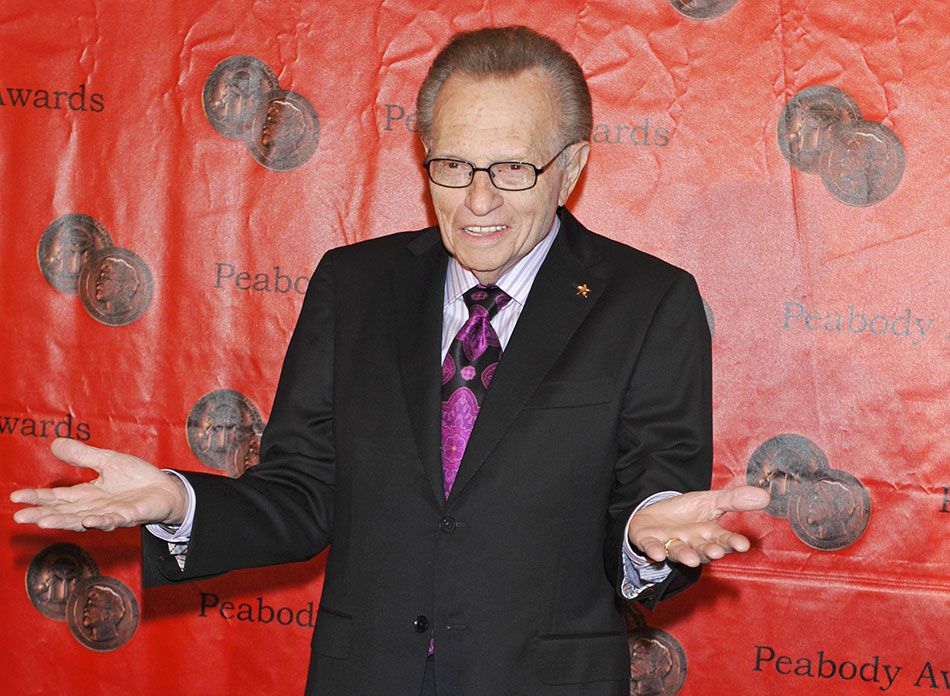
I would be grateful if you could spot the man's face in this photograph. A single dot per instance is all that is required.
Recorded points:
(283, 125)
(222, 428)
(106, 284)
(486, 229)
(93, 612)
(275, 116)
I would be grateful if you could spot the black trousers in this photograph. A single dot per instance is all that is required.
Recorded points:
(428, 679)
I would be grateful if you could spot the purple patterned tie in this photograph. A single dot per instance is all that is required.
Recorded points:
(466, 373)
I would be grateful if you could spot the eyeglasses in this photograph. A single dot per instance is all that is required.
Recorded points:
(507, 176)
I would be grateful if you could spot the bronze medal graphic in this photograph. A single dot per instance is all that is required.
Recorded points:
(634, 619)
(284, 131)
(115, 286)
(65, 247)
(804, 128)
(702, 9)
(102, 613)
(233, 91)
(830, 511)
(53, 575)
(657, 663)
(863, 163)
(780, 465)
(224, 431)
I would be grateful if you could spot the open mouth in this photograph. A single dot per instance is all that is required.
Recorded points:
(483, 230)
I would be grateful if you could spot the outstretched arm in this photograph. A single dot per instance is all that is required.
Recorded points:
(128, 492)
(685, 528)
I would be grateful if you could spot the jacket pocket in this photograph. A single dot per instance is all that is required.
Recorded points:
(333, 633)
(583, 658)
(561, 394)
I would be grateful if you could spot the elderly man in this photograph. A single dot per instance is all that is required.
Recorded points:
(481, 517)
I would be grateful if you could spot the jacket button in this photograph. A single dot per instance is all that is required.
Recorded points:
(421, 623)
(448, 524)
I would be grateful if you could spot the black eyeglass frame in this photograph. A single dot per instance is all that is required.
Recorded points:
(538, 171)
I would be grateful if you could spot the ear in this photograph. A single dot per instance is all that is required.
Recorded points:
(572, 170)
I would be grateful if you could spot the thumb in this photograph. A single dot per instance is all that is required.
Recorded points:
(79, 454)
(741, 499)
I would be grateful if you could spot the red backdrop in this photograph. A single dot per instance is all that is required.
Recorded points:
(830, 318)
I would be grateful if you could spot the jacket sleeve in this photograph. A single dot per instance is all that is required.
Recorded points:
(665, 429)
(281, 509)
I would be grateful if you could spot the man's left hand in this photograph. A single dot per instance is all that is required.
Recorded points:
(684, 529)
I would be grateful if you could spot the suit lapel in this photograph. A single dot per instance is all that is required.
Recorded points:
(554, 310)
(418, 287)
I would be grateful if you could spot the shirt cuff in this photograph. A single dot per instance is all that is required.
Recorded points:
(182, 533)
(640, 572)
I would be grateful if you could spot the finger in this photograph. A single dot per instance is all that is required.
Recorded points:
(29, 515)
(53, 515)
(56, 501)
(48, 520)
(48, 496)
(734, 542)
(680, 551)
(30, 496)
(108, 521)
(104, 523)
(741, 499)
(653, 549)
(76, 522)
(79, 454)
(711, 551)
(716, 547)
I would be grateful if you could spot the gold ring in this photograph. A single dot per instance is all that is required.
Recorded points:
(666, 544)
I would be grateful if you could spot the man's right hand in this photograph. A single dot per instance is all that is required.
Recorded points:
(128, 492)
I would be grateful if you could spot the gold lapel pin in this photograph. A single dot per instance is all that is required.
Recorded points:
(583, 290)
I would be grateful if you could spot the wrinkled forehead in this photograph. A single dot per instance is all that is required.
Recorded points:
(502, 116)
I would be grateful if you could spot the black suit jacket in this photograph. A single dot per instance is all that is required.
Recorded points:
(598, 402)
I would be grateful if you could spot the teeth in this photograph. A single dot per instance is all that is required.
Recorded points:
(475, 229)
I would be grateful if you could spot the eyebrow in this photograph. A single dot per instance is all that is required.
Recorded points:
(504, 158)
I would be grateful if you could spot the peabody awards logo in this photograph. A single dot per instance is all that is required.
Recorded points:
(243, 101)
(828, 509)
(643, 132)
(28, 97)
(76, 256)
(224, 431)
(821, 131)
(657, 661)
(64, 584)
(859, 321)
(702, 9)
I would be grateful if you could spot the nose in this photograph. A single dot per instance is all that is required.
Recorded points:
(482, 197)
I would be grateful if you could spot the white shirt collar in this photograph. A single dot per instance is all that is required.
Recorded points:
(516, 281)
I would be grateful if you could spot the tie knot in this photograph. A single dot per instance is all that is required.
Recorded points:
(489, 298)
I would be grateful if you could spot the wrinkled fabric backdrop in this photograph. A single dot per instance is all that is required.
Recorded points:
(153, 267)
